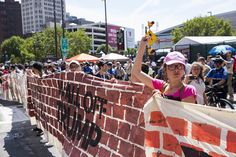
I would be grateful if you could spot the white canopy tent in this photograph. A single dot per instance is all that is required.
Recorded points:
(190, 40)
(114, 57)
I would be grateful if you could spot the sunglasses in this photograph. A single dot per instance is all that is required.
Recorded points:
(173, 67)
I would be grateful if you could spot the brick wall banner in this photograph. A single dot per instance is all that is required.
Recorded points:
(90, 116)
(181, 129)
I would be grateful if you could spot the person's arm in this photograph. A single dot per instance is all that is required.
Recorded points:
(205, 98)
(136, 69)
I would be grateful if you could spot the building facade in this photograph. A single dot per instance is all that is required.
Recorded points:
(37, 14)
(97, 32)
(10, 19)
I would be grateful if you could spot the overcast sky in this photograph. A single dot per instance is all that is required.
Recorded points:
(134, 13)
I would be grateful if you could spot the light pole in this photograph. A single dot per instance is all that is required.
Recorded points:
(105, 5)
(62, 19)
(55, 26)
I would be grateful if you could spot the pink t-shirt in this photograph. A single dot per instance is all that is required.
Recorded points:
(189, 90)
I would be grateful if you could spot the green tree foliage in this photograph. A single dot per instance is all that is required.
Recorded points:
(79, 42)
(12, 48)
(203, 26)
(130, 51)
(102, 48)
(42, 44)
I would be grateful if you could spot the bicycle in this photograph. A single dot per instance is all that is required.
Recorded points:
(214, 100)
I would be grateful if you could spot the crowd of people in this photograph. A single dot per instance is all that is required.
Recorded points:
(172, 74)
(179, 80)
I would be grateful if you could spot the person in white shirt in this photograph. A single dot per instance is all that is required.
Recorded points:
(195, 78)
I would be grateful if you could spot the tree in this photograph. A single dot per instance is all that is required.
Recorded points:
(12, 49)
(203, 26)
(102, 48)
(79, 42)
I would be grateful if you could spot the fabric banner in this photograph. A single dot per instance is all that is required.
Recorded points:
(88, 115)
(182, 129)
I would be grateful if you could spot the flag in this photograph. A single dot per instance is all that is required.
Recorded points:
(181, 129)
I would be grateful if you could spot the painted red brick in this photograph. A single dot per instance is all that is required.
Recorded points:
(113, 142)
(103, 152)
(111, 125)
(139, 152)
(70, 76)
(101, 92)
(75, 152)
(141, 120)
(137, 135)
(152, 139)
(126, 98)
(140, 100)
(231, 142)
(79, 77)
(206, 133)
(118, 111)
(113, 96)
(93, 150)
(123, 130)
(170, 143)
(105, 137)
(178, 126)
(126, 149)
(132, 115)
(157, 119)
(114, 155)
(91, 89)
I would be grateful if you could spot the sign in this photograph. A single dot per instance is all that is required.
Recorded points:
(64, 47)
(194, 131)
(153, 37)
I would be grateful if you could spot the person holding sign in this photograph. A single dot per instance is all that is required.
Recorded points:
(172, 87)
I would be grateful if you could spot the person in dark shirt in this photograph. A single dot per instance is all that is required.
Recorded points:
(217, 77)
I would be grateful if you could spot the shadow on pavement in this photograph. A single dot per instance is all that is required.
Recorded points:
(18, 139)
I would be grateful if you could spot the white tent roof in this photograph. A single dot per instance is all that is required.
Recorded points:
(114, 56)
(205, 40)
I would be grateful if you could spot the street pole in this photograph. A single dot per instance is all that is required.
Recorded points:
(55, 27)
(105, 5)
(62, 19)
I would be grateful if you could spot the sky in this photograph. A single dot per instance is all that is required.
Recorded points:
(135, 13)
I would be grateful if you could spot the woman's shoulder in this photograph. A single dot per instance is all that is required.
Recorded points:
(157, 83)
(189, 90)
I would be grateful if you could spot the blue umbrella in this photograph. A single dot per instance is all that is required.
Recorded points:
(221, 49)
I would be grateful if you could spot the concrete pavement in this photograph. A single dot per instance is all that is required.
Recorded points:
(16, 136)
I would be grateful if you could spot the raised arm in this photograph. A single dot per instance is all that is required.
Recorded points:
(136, 69)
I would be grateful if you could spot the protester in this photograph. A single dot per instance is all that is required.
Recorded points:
(174, 69)
(229, 61)
(102, 72)
(74, 66)
(206, 68)
(217, 77)
(196, 79)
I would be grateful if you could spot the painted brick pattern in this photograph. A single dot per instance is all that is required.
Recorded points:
(90, 116)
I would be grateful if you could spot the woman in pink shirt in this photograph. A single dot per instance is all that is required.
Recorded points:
(174, 70)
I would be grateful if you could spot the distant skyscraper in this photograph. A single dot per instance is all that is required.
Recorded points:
(10, 19)
(37, 14)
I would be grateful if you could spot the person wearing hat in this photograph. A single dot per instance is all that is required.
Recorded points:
(160, 70)
(217, 77)
(74, 66)
(172, 87)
